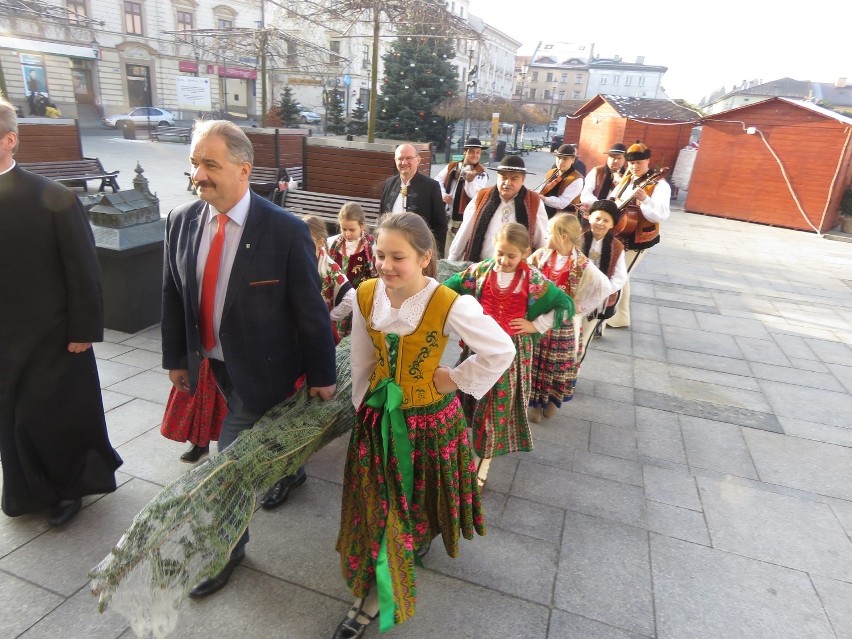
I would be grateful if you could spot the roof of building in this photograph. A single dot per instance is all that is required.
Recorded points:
(641, 108)
(780, 88)
(833, 94)
(803, 104)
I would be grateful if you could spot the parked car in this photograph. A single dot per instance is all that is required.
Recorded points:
(306, 116)
(141, 116)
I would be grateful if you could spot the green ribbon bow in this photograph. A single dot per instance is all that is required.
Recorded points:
(387, 396)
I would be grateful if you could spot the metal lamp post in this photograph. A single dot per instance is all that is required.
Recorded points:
(468, 83)
(523, 74)
(552, 96)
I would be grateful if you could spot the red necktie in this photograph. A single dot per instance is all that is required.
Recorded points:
(208, 283)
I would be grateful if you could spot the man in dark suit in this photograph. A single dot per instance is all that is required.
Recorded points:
(413, 191)
(53, 438)
(240, 287)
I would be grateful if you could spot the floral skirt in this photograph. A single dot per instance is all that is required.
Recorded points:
(554, 369)
(499, 419)
(445, 498)
(195, 418)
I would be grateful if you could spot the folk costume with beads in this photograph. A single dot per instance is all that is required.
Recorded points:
(356, 260)
(409, 475)
(499, 419)
(557, 353)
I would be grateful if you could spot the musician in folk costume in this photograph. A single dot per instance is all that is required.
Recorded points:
(601, 180)
(461, 181)
(494, 206)
(563, 183)
(645, 200)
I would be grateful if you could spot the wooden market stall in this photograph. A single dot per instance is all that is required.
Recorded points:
(780, 162)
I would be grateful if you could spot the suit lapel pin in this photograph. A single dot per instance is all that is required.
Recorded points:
(248, 245)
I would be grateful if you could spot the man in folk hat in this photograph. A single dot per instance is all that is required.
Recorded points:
(415, 192)
(602, 179)
(563, 183)
(494, 206)
(461, 181)
(648, 204)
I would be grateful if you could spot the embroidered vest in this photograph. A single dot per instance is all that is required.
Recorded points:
(452, 177)
(646, 234)
(357, 265)
(531, 202)
(556, 188)
(419, 353)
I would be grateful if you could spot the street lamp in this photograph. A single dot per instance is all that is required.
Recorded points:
(552, 96)
(523, 74)
(469, 82)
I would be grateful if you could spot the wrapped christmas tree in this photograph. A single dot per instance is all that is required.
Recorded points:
(186, 533)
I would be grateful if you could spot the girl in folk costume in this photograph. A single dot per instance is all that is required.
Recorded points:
(524, 303)
(556, 357)
(601, 246)
(352, 250)
(409, 473)
(336, 289)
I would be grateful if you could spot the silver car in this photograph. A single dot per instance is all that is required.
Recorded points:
(141, 116)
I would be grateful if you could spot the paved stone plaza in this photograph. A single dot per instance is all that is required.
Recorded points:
(699, 485)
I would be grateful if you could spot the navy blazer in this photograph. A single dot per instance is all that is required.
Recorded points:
(275, 324)
(424, 198)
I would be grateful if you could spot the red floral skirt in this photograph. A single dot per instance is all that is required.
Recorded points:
(195, 418)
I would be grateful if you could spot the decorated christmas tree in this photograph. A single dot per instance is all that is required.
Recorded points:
(418, 78)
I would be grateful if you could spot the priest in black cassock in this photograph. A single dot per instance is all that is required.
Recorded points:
(54, 445)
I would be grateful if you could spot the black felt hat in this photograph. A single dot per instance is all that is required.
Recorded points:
(617, 148)
(610, 207)
(473, 143)
(566, 151)
(512, 163)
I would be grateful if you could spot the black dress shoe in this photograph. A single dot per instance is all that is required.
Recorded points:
(64, 512)
(279, 493)
(351, 628)
(194, 454)
(215, 584)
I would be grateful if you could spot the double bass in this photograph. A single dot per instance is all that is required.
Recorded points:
(632, 213)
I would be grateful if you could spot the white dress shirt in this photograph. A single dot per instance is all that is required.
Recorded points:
(233, 236)
(505, 213)
(619, 275)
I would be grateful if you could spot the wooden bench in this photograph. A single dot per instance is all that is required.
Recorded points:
(182, 132)
(517, 150)
(264, 180)
(75, 173)
(326, 206)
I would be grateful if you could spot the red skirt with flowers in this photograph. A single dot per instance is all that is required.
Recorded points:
(499, 420)
(195, 418)
(445, 499)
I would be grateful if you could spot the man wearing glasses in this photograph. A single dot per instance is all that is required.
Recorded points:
(413, 191)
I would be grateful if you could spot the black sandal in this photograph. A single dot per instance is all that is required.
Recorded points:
(351, 628)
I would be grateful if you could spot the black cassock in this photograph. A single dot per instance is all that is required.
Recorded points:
(53, 438)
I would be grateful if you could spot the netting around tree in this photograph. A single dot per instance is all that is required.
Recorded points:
(186, 533)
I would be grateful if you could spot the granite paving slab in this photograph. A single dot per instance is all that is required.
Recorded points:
(612, 368)
(678, 317)
(679, 523)
(116, 337)
(724, 395)
(110, 372)
(564, 625)
(717, 445)
(803, 464)
(108, 350)
(528, 518)
(141, 358)
(731, 365)
(150, 385)
(708, 410)
(111, 399)
(831, 352)
(601, 389)
(836, 597)
(607, 467)
(652, 376)
(147, 343)
(776, 528)
(22, 604)
(529, 574)
(793, 346)
(673, 486)
(762, 350)
(613, 441)
(74, 619)
(649, 346)
(602, 411)
(728, 325)
(843, 374)
(604, 573)
(698, 341)
(818, 432)
(810, 365)
(152, 457)
(565, 430)
(131, 419)
(792, 375)
(590, 495)
(76, 547)
(502, 472)
(714, 379)
(658, 435)
(701, 592)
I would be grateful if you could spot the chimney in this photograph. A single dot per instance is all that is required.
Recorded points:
(640, 59)
(840, 84)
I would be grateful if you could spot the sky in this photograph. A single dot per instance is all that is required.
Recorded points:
(705, 46)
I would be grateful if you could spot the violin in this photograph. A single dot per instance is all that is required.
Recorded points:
(632, 213)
